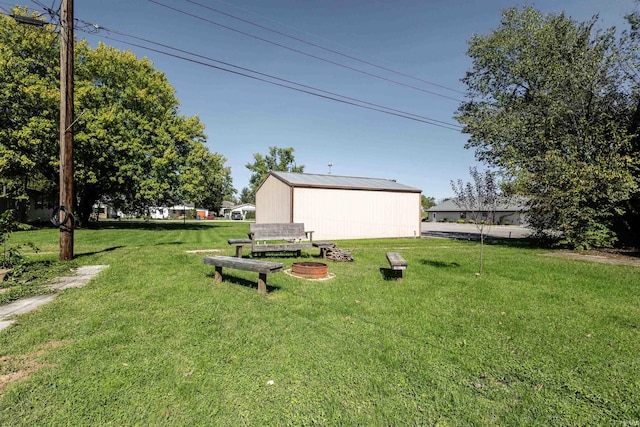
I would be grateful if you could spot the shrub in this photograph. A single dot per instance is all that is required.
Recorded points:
(11, 256)
(460, 221)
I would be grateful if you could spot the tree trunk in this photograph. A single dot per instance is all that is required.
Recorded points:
(481, 251)
(83, 211)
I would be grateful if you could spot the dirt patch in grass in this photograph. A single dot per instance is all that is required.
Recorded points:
(604, 256)
(17, 368)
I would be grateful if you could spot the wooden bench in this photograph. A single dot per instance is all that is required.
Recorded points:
(239, 243)
(397, 263)
(261, 267)
(283, 237)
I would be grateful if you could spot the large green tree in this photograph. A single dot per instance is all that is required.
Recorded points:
(278, 159)
(551, 106)
(29, 106)
(132, 147)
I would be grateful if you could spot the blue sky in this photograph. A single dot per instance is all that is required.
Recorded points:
(424, 39)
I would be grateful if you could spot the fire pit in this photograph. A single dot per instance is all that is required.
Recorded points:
(310, 270)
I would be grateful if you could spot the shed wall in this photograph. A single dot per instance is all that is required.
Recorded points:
(355, 214)
(273, 202)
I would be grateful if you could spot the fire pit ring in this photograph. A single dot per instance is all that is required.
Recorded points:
(310, 270)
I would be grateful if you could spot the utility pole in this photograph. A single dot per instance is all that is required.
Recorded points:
(66, 131)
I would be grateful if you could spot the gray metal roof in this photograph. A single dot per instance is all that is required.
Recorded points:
(516, 204)
(341, 182)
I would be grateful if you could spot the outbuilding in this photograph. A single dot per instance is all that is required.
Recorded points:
(508, 212)
(340, 207)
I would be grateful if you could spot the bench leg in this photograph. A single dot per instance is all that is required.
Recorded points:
(217, 276)
(239, 251)
(262, 284)
(391, 274)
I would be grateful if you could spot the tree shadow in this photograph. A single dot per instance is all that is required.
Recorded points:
(112, 248)
(439, 264)
(243, 282)
(158, 225)
(514, 242)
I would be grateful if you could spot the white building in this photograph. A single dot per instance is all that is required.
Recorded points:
(243, 209)
(339, 207)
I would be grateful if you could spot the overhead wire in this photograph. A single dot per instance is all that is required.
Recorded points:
(414, 118)
(298, 39)
(301, 52)
(95, 28)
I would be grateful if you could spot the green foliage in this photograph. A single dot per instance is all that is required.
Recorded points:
(132, 149)
(551, 106)
(278, 159)
(11, 255)
(29, 103)
(246, 196)
(427, 202)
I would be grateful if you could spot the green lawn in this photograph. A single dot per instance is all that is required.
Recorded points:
(536, 340)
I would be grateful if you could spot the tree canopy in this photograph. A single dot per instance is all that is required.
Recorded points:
(427, 202)
(278, 159)
(132, 148)
(552, 106)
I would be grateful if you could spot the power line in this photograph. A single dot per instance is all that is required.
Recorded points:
(303, 52)
(95, 28)
(246, 21)
(355, 103)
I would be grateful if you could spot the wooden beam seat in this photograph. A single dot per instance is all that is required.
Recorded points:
(239, 243)
(280, 237)
(397, 263)
(261, 267)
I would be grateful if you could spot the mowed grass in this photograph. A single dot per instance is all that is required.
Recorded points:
(536, 340)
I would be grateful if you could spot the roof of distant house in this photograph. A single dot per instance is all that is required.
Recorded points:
(244, 206)
(341, 182)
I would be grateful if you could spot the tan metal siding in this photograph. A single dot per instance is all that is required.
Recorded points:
(273, 202)
(354, 214)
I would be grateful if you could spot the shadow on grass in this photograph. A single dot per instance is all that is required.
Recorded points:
(157, 225)
(112, 248)
(244, 282)
(513, 242)
(390, 274)
(439, 264)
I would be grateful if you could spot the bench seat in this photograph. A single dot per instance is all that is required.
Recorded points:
(261, 267)
(280, 237)
(397, 263)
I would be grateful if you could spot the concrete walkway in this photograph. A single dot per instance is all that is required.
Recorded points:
(82, 277)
